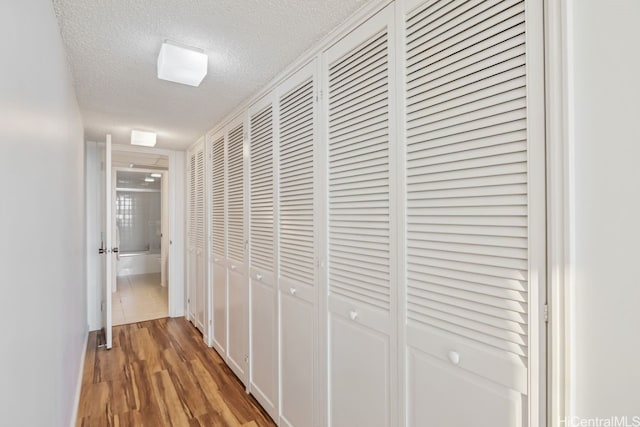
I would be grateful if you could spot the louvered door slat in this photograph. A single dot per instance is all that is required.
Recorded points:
(235, 194)
(193, 183)
(218, 197)
(261, 220)
(359, 174)
(296, 187)
(200, 209)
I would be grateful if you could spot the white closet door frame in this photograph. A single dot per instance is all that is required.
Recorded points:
(370, 318)
(535, 72)
(259, 276)
(308, 295)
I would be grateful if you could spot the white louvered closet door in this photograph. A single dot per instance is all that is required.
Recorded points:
(238, 286)
(475, 212)
(218, 249)
(264, 313)
(297, 244)
(192, 236)
(200, 240)
(361, 275)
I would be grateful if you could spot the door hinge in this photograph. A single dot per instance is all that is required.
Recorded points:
(319, 96)
(546, 313)
(188, 300)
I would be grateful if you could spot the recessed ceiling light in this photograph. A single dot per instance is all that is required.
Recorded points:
(156, 175)
(149, 180)
(179, 64)
(146, 139)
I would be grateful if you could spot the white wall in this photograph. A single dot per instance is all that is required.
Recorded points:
(607, 207)
(43, 321)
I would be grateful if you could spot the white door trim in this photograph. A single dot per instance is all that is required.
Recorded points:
(560, 208)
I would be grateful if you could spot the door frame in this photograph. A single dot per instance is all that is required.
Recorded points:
(175, 180)
(558, 55)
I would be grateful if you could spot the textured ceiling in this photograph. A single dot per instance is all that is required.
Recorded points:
(113, 46)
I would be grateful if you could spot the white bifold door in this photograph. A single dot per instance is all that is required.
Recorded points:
(218, 249)
(237, 265)
(361, 258)
(196, 286)
(474, 136)
(263, 300)
(297, 247)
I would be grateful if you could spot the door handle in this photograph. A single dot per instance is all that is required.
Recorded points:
(259, 276)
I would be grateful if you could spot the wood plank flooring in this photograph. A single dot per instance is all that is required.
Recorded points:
(160, 373)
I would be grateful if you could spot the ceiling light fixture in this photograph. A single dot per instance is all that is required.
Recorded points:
(156, 175)
(179, 64)
(146, 139)
(149, 180)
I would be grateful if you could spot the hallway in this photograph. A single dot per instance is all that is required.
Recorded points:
(160, 373)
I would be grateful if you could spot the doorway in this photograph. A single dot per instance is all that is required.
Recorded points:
(140, 225)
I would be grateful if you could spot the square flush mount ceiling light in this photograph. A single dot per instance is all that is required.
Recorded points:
(181, 64)
(146, 139)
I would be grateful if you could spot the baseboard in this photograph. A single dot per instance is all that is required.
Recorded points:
(76, 400)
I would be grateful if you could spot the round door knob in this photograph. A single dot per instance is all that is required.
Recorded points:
(353, 314)
(454, 357)
(259, 276)
(292, 291)
(233, 267)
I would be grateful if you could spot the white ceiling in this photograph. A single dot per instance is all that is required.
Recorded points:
(113, 48)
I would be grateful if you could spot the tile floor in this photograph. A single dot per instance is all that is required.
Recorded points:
(139, 297)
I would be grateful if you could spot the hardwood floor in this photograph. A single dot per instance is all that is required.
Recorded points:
(160, 373)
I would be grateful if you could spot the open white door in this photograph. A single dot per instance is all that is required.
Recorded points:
(107, 249)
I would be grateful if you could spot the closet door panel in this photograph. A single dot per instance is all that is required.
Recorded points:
(433, 383)
(238, 316)
(192, 269)
(297, 247)
(262, 255)
(218, 250)
(238, 282)
(264, 345)
(474, 152)
(361, 272)
(220, 308)
(359, 379)
(298, 351)
(200, 240)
